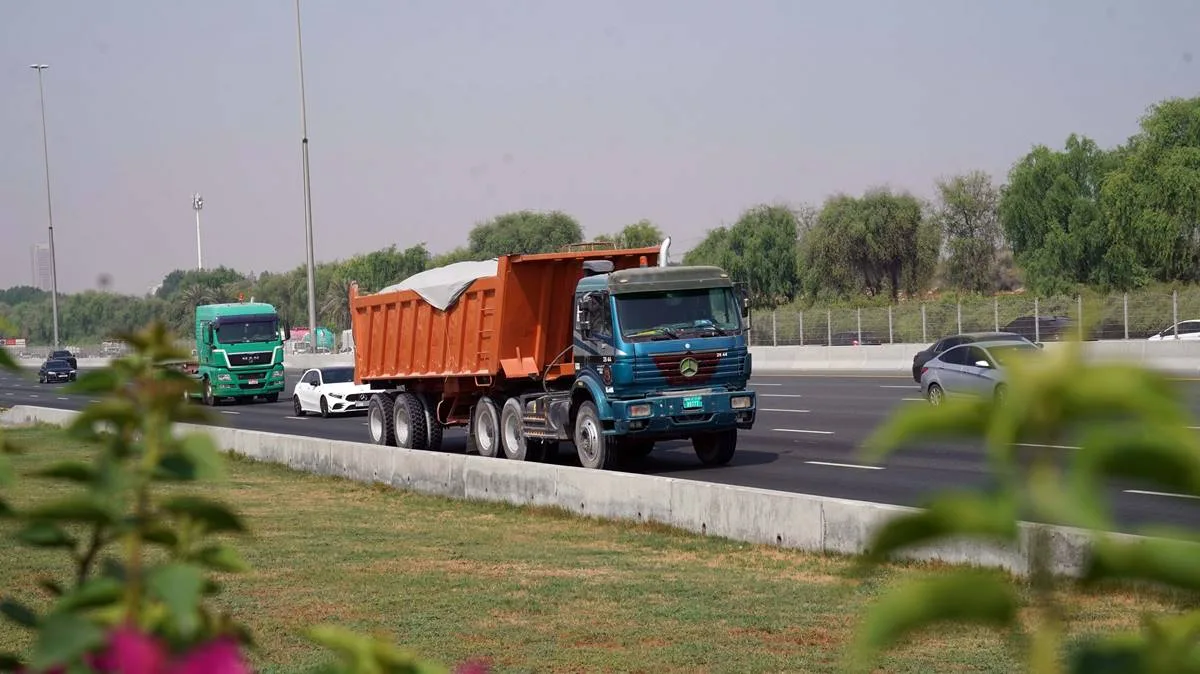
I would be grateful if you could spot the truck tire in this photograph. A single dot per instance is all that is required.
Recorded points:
(715, 449)
(637, 448)
(379, 420)
(433, 427)
(408, 420)
(209, 398)
(512, 434)
(593, 448)
(484, 437)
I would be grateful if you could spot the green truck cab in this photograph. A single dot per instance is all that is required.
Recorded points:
(239, 351)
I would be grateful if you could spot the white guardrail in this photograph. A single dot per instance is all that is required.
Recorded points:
(1182, 357)
(762, 516)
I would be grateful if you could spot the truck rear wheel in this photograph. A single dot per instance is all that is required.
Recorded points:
(512, 434)
(408, 419)
(379, 420)
(485, 428)
(593, 448)
(715, 449)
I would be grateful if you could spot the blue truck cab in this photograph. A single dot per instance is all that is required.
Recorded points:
(660, 354)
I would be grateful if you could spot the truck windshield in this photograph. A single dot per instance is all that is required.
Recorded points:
(668, 315)
(243, 329)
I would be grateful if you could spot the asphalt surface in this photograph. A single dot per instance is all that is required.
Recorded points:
(805, 440)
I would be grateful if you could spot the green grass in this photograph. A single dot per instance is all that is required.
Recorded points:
(532, 590)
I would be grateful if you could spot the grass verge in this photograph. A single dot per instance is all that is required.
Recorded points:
(531, 590)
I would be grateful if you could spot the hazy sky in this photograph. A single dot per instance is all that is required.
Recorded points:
(427, 116)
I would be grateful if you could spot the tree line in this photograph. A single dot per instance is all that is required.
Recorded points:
(1109, 219)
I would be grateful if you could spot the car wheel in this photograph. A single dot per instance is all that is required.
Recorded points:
(324, 407)
(297, 410)
(935, 395)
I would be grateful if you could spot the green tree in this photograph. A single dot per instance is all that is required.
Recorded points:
(641, 234)
(524, 232)
(967, 213)
(759, 250)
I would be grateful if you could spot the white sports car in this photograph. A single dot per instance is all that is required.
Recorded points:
(329, 390)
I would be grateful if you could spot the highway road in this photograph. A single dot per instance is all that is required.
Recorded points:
(805, 440)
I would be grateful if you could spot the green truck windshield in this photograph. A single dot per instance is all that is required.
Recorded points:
(245, 329)
(669, 315)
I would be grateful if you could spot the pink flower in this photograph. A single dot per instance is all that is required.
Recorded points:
(219, 656)
(131, 652)
(473, 667)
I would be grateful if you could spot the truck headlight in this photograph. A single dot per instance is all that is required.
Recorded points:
(277, 374)
(224, 377)
(640, 410)
(739, 402)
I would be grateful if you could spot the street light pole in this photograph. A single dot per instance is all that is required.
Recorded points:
(308, 231)
(49, 207)
(197, 204)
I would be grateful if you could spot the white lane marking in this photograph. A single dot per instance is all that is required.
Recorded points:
(1159, 493)
(781, 395)
(843, 465)
(1194, 428)
(33, 395)
(913, 387)
(920, 400)
(778, 409)
(9, 394)
(754, 383)
(62, 398)
(1034, 444)
(800, 430)
(93, 400)
(300, 418)
(229, 412)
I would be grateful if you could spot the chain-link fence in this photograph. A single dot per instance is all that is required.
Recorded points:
(1138, 315)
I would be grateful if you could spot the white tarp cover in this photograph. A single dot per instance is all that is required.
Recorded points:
(441, 286)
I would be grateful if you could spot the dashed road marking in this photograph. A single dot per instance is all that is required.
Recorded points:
(781, 395)
(1034, 444)
(758, 383)
(801, 430)
(778, 409)
(63, 398)
(229, 412)
(896, 386)
(300, 418)
(920, 400)
(843, 465)
(1159, 493)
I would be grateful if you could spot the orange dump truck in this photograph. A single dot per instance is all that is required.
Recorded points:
(613, 350)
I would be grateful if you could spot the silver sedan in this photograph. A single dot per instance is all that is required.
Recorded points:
(976, 369)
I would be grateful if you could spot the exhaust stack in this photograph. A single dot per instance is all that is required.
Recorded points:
(663, 254)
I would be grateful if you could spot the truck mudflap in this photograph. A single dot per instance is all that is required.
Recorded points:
(683, 413)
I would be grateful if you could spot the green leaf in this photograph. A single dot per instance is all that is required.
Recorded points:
(6, 512)
(196, 458)
(1105, 658)
(1162, 560)
(214, 515)
(18, 612)
(959, 596)
(94, 593)
(179, 586)
(161, 534)
(949, 515)
(104, 380)
(64, 637)
(73, 471)
(45, 535)
(223, 558)
(1168, 456)
(6, 470)
(9, 662)
(73, 509)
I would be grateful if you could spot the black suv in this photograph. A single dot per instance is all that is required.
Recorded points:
(64, 355)
(936, 349)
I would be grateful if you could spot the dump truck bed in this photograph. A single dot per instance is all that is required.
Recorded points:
(508, 317)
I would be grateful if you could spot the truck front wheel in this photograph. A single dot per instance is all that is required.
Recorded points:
(715, 449)
(593, 448)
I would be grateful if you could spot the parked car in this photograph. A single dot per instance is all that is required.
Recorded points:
(1041, 329)
(854, 338)
(329, 390)
(940, 346)
(55, 369)
(1184, 330)
(976, 369)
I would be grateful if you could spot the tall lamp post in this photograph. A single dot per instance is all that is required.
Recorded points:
(197, 204)
(308, 231)
(49, 208)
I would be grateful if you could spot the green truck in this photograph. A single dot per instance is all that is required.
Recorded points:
(239, 351)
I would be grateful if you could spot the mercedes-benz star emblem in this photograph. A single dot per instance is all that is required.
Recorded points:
(689, 367)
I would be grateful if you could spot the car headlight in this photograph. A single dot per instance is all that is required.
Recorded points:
(739, 402)
(339, 396)
(640, 410)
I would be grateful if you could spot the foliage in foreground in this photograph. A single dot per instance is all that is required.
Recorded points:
(1129, 424)
(143, 560)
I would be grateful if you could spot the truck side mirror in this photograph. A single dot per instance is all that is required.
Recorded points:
(286, 332)
(744, 298)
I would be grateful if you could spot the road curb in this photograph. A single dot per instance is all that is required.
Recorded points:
(748, 514)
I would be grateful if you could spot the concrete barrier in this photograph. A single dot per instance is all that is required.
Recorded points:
(763, 516)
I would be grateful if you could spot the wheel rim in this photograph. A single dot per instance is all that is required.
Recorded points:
(590, 439)
(512, 434)
(485, 434)
(935, 395)
(375, 419)
(400, 421)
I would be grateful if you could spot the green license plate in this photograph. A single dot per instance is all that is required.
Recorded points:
(692, 402)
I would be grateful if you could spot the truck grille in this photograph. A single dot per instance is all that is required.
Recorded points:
(251, 358)
(711, 365)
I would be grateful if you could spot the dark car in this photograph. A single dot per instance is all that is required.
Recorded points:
(65, 355)
(1041, 328)
(854, 338)
(56, 369)
(939, 347)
